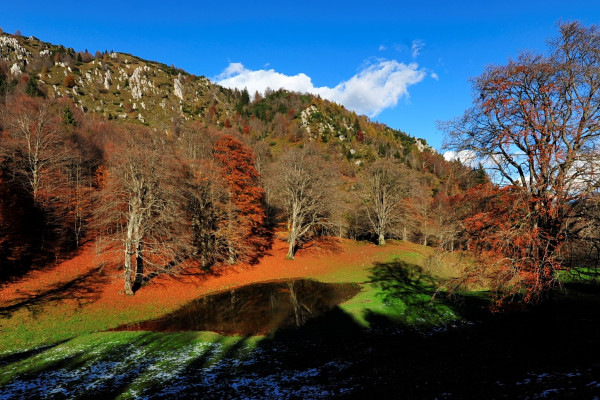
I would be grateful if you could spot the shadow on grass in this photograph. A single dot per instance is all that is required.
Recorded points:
(411, 297)
(11, 358)
(132, 364)
(323, 244)
(549, 351)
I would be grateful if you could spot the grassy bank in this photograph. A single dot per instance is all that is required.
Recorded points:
(390, 339)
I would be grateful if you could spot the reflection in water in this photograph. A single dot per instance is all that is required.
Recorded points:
(253, 309)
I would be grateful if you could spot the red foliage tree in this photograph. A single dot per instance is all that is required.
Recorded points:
(243, 225)
(512, 255)
(535, 123)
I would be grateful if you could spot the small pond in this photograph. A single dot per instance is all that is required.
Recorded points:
(254, 309)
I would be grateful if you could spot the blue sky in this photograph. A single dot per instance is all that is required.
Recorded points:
(404, 64)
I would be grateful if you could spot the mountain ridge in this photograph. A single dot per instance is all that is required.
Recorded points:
(125, 87)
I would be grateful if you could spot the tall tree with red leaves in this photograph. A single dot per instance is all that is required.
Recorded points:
(244, 210)
(534, 123)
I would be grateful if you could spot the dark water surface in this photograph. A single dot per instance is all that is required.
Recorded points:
(253, 309)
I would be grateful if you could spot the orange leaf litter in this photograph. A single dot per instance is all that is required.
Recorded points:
(99, 280)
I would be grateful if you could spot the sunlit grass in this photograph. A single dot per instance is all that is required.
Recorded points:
(396, 289)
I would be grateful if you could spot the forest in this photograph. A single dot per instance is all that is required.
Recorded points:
(212, 192)
(168, 175)
(216, 190)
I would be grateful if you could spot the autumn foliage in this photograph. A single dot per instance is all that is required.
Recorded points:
(513, 256)
(534, 122)
(208, 187)
(245, 210)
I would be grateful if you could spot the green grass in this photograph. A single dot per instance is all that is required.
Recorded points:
(406, 302)
(65, 343)
(396, 288)
(46, 355)
(41, 325)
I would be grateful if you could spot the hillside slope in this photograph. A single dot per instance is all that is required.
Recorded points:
(125, 87)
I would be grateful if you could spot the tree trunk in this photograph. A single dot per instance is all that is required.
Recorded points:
(139, 268)
(129, 246)
(292, 240)
(291, 248)
(231, 252)
(127, 267)
(230, 247)
(381, 239)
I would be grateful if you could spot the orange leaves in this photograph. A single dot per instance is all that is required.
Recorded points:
(246, 213)
(69, 81)
(101, 176)
(514, 238)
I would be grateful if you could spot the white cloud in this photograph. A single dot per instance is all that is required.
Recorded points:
(238, 76)
(416, 47)
(375, 87)
(466, 157)
(400, 47)
(382, 47)
(434, 76)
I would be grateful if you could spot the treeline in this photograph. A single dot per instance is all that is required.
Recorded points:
(160, 201)
(202, 193)
(209, 174)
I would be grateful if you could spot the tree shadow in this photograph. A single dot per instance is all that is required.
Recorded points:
(83, 289)
(521, 354)
(11, 358)
(326, 244)
(81, 374)
(502, 355)
(209, 376)
(407, 292)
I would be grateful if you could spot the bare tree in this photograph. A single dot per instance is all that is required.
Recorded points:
(34, 143)
(385, 187)
(301, 184)
(140, 208)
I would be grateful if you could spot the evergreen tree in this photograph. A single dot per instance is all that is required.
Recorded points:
(32, 88)
(68, 117)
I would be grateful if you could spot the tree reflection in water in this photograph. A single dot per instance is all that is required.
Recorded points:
(253, 309)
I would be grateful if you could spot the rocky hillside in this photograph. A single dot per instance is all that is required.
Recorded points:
(194, 129)
(124, 87)
(114, 85)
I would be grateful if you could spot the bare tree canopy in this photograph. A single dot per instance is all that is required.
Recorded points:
(385, 187)
(34, 143)
(536, 120)
(140, 205)
(301, 185)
